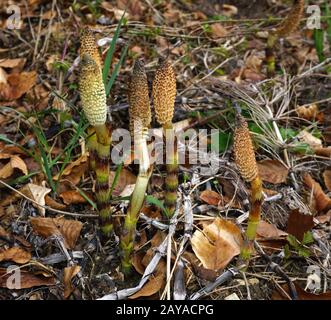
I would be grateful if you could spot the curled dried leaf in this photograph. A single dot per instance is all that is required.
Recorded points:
(69, 229)
(219, 242)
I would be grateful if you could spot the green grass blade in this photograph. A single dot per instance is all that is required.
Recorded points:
(319, 45)
(116, 70)
(111, 50)
(117, 174)
(82, 193)
(156, 202)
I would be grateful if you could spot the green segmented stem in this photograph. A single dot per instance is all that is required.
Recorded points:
(253, 219)
(92, 146)
(171, 180)
(102, 172)
(136, 202)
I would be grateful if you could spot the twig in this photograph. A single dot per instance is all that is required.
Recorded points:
(224, 277)
(47, 207)
(153, 222)
(275, 267)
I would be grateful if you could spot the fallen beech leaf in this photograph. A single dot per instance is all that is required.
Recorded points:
(302, 294)
(37, 193)
(15, 162)
(322, 201)
(15, 254)
(69, 229)
(158, 237)
(267, 230)
(68, 169)
(210, 197)
(324, 152)
(299, 223)
(72, 197)
(272, 171)
(219, 242)
(26, 280)
(12, 63)
(125, 178)
(54, 204)
(215, 199)
(218, 31)
(199, 271)
(68, 275)
(137, 262)
(17, 85)
(154, 284)
(327, 178)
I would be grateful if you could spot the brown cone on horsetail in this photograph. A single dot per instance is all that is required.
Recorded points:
(289, 24)
(245, 160)
(164, 94)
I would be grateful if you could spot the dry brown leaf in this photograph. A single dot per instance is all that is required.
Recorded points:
(272, 171)
(27, 280)
(72, 197)
(17, 85)
(15, 162)
(125, 178)
(54, 204)
(210, 197)
(324, 152)
(16, 255)
(69, 229)
(12, 63)
(267, 230)
(302, 294)
(68, 169)
(137, 262)
(68, 275)
(219, 242)
(327, 178)
(322, 201)
(218, 31)
(38, 194)
(299, 223)
(154, 284)
(215, 199)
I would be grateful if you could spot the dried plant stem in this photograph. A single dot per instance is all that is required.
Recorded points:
(253, 219)
(102, 172)
(171, 180)
(136, 202)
